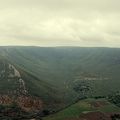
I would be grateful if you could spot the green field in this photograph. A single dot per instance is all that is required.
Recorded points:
(82, 107)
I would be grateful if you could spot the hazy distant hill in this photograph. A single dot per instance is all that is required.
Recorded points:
(59, 75)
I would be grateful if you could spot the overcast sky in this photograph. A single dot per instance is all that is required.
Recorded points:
(60, 22)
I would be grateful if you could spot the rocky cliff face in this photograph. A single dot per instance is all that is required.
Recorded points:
(16, 90)
(11, 73)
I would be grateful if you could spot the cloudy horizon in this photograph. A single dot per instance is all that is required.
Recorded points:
(88, 23)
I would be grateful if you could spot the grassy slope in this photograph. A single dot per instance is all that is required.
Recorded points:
(82, 106)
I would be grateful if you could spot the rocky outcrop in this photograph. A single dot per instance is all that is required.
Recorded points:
(26, 103)
(14, 73)
(29, 103)
(5, 100)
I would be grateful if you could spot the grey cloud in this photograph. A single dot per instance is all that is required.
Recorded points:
(60, 22)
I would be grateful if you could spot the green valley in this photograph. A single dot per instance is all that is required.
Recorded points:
(57, 77)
